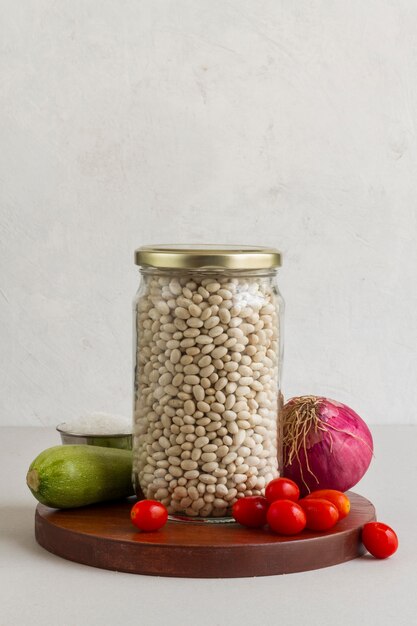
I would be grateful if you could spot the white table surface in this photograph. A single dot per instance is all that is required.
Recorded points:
(38, 588)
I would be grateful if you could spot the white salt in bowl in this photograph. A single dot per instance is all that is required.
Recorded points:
(97, 429)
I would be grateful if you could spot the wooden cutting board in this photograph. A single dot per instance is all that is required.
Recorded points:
(103, 536)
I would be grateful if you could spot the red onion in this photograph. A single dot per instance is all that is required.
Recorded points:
(326, 444)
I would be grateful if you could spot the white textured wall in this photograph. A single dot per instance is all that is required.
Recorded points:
(290, 124)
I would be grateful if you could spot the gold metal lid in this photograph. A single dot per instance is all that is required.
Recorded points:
(208, 256)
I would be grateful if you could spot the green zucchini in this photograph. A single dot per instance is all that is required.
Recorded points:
(66, 477)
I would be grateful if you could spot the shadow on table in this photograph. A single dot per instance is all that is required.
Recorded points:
(367, 557)
(17, 527)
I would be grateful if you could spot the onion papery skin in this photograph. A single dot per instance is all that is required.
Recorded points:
(336, 447)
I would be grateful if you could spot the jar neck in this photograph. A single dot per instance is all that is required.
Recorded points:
(208, 271)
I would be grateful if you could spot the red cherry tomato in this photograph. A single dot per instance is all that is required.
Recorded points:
(321, 514)
(286, 517)
(251, 511)
(379, 539)
(282, 489)
(338, 498)
(148, 515)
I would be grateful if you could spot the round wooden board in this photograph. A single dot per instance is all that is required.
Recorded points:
(103, 536)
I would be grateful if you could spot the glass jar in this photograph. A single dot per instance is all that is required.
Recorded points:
(208, 357)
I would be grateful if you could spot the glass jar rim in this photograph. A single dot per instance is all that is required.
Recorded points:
(207, 256)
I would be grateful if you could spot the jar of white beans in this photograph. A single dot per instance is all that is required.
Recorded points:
(208, 358)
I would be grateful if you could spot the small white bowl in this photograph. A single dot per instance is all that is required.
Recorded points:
(122, 441)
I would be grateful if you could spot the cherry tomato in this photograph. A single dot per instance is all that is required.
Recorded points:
(341, 502)
(282, 489)
(379, 539)
(286, 517)
(149, 515)
(251, 511)
(320, 513)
